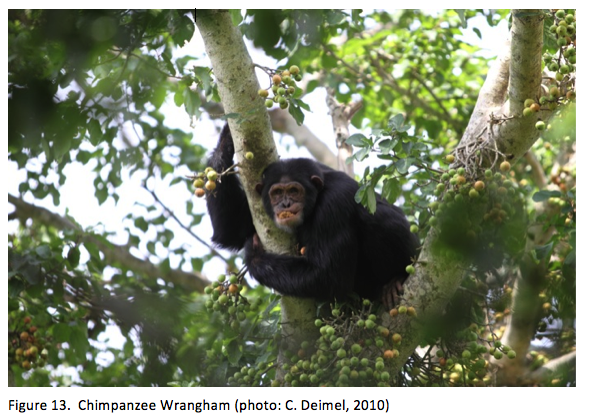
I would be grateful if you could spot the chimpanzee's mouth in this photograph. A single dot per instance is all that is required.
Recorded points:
(286, 215)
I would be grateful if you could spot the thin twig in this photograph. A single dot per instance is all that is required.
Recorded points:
(186, 228)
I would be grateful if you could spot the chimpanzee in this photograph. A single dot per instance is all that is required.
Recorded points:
(343, 248)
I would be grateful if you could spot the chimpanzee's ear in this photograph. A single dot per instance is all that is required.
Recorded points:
(318, 182)
(259, 187)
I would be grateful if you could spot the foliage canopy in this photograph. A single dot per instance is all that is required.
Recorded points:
(90, 90)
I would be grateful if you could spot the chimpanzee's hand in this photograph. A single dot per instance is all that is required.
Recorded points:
(254, 250)
(391, 294)
(257, 244)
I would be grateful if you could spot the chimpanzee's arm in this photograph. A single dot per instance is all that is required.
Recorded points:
(227, 204)
(326, 270)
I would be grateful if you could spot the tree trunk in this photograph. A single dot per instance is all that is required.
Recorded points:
(251, 131)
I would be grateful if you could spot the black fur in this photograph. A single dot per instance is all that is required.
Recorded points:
(347, 249)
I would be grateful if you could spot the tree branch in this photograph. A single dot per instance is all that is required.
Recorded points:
(113, 254)
(429, 290)
(341, 116)
(491, 96)
(437, 278)
(251, 131)
(516, 136)
(416, 76)
(184, 227)
(563, 362)
(526, 303)
(282, 122)
(537, 172)
(250, 128)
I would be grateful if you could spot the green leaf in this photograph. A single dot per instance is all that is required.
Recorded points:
(391, 190)
(61, 145)
(78, 338)
(203, 74)
(234, 353)
(335, 17)
(43, 251)
(329, 61)
(570, 259)
(61, 332)
(362, 154)
(197, 264)
(296, 113)
(312, 85)
(92, 249)
(32, 273)
(94, 132)
(47, 149)
(184, 31)
(396, 122)
(541, 252)
(13, 304)
(100, 191)
(545, 195)
(159, 95)
(387, 97)
(386, 146)
(37, 290)
(357, 140)
(167, 59)
(477, 32)
(301, 104)
(192, 102)
(236, 16)
(371, 200)
(360, 194)
(407, 147)
(403, 165)
(461, 13)
(141, 224)
(73, 257)
(179, 97)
